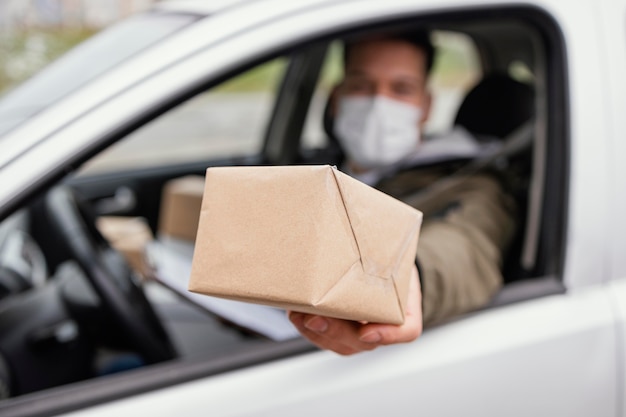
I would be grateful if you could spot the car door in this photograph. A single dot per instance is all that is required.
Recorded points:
(550, 353)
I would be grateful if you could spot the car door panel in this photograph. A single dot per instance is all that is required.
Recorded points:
(618, 298)
(540, 357)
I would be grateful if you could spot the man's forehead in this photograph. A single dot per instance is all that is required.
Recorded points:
(395, 74)
(385, 56)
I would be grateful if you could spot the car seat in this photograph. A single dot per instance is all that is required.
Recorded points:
(496, 106)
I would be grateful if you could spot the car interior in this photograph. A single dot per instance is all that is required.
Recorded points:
(73, 309)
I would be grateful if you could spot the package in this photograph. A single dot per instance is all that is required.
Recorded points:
(180, 207)
(128, 235)
(305, 238)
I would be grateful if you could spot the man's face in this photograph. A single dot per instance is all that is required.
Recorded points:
(391, 68)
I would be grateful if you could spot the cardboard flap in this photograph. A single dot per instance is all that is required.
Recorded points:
(377, 298)
(383, 227)
(386, 233)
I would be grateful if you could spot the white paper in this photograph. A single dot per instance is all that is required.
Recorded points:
(171, 260)
(456, 144)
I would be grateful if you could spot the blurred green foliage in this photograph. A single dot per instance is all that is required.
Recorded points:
(454, 65)
(265, 76)
(23, 54)
(260, 78)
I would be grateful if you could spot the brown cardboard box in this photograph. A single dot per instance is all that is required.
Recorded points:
(305, 238)
(129, 235)
(180, 207)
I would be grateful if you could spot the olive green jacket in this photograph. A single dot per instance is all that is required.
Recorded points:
(468, 225)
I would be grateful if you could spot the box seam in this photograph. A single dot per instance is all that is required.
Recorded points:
(405, 246)
(345, 209)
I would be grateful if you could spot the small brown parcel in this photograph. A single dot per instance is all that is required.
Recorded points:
(305, 238)
(180, 207)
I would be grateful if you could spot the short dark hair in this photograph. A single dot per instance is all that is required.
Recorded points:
(418, 38)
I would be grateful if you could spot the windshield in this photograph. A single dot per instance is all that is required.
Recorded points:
(85, 62)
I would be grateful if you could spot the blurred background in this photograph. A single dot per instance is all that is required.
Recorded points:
(35, 32)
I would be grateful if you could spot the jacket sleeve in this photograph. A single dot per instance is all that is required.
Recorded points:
(460, 250)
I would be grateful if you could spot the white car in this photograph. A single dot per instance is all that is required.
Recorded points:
(193, 84)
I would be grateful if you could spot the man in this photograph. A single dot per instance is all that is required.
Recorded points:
(379, 110)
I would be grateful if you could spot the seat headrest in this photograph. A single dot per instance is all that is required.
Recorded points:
(496, 106)
(328, 123)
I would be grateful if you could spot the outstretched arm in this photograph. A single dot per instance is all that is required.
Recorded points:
(460, 253)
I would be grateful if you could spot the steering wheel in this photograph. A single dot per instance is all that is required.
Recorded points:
(121, 295)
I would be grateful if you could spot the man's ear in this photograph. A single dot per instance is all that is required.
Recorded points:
(332, 100)
(426, 105)
(331, 110)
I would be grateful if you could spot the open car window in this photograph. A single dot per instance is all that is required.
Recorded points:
(227, 121)
(234, 120)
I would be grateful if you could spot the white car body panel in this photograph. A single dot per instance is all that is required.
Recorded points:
(499, 360)
(539, 357)
(618, 294)
(589, 191)
(614, 15)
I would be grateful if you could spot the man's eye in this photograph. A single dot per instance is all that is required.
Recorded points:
(357, 86)
(405, 89)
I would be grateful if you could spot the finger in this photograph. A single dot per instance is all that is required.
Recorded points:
(338, 332)
(318, 339)
(328, 344)
(338, 335)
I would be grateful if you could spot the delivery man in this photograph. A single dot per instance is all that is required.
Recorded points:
(379, 109)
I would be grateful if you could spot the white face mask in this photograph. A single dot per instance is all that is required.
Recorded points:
(377, 131)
